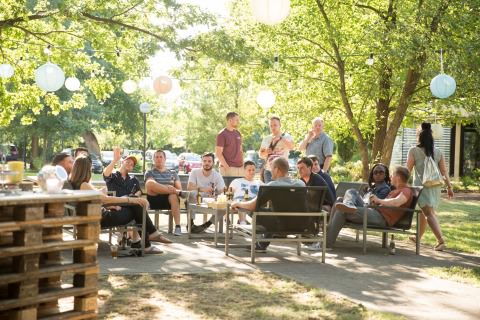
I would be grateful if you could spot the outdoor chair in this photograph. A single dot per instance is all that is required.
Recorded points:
(343, 186)
(404, 225)
(284, 212)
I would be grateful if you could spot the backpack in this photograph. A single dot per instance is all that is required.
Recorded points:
(431, 174)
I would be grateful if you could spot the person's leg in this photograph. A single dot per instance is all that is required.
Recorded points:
(122, 217)
(374, 218)
(333, 229)
(432, 220)
(175, 208)
(153, 234)
(352, 197)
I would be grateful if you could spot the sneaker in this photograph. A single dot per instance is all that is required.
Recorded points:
(316, 246)
(197, 229)
(345, 207)
(243, 223)
(178, 231)
(153, 250)
(259, 248)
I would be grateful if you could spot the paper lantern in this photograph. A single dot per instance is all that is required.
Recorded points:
(145, 107)
(266, 99)
(443, 86)
(162, 84)
(129, 86)
(437, 131)
(6, 71)
(49, 77)
(270, 12)
(72, 84)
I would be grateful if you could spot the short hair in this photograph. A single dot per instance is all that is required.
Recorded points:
(248, 163)
(59, 158)
(208, 154)
(160, 151)
(318, 119)
(231, 115)
(313, 158)
(275, 118)
(80, 149)
(402, 172)
(306, 160)
(281, 164)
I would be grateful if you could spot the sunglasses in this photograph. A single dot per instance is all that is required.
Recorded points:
(378, 172)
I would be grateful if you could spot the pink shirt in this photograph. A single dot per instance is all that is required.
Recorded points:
(231, 141)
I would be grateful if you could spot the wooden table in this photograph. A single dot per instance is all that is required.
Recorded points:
(32, 274)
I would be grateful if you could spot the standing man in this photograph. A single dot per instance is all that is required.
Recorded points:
(208, 182)
(120, 181)
(318, 143)
(163, 188)
(275, 145)
(229, 147)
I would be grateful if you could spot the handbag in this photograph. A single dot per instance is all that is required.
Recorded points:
(431, 174)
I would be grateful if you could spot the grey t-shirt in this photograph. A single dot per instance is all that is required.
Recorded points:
(286, 181)
(321, 146)
(167, 177)
(196, 177)
(419, 157)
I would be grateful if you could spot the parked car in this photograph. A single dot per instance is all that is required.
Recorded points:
(10, 152)
(253, 156)
(189, 161)
(97, 166)
(292, 165)
(107, 157)
(171, 161)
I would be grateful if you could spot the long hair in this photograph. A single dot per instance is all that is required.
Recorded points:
(425, 139)
(81, 171)
(371, 182)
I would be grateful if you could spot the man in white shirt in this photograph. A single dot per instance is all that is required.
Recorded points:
(275, 145)
(246, 184)
(208, 181)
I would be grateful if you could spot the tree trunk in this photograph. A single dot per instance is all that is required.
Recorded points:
(382, 113)
(34, 153)
(91, 142)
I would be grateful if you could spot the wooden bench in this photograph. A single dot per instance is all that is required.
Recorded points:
(284, 211)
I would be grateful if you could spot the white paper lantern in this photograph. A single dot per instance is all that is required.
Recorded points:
(266, 99)
(6, 71)
(437, 131)
(72, 84)
(270, 12)
(145, 107)
(49, 77)
(443, 86)
(129, 86)
(162, 84)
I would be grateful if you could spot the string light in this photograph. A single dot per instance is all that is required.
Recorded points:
(276, 63)
(370, 60)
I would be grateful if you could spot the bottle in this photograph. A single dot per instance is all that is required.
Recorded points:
(245, 195)
(123, 242)
(199, 196)
(391, 249)
(230, 194)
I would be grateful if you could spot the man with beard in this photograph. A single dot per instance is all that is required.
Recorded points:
(228, 147)
(206, 181)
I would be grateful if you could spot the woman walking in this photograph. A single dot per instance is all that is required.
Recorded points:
(430, 196)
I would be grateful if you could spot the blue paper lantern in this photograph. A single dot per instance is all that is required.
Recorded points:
(443, 86)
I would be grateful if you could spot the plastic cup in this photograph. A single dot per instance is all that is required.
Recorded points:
(114, 251)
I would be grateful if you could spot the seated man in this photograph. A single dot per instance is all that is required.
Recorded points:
(311, 179)
(316, 169)
(120, 181)
(208, 181)
(64, 160)
(246, 184)
(279, 168)
(164, 188)
(347, 210)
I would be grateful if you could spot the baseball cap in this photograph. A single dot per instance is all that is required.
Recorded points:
(133, 158)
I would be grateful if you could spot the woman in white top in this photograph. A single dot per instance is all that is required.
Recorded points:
(430, 196)
(239, 186)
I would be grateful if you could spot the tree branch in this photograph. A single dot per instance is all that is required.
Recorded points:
(37, 16)
(377, 11)
(127, 10)
(26, 31)
(308, 40)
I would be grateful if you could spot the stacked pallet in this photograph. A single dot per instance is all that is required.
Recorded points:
(38, 266)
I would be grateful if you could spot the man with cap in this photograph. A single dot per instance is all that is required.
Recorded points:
(120, 181)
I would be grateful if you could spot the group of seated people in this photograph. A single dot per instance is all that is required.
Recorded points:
(164, 190)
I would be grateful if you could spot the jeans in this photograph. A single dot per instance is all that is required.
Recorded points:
(267, 176)
(352, 197)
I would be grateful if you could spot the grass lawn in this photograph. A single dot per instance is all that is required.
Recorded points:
(459, 274)
(221, 296)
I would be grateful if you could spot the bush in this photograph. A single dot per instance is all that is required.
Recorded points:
(350, 171)
(346, 148)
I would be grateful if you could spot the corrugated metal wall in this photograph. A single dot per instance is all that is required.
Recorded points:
(406, 138)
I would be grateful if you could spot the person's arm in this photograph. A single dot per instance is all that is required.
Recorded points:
(220, 157)
(288, 141)
(247, 205)
(444, 172)
(117, 155)
(115, 200)
(392, 202)
(264, 149)
(306, 141)
(410, 161)
(326, 163)
(327, 150)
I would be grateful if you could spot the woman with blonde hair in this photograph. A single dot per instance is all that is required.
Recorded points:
(116, 214)
(430, 196)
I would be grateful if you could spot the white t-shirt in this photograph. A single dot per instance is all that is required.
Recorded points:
(196, 177)
(241, 184)
(280, 149)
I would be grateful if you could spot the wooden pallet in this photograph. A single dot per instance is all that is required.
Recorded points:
(34, 272)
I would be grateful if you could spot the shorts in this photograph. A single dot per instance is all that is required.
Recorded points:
(159, 202)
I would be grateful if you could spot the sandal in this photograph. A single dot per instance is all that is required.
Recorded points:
(161, 239)
(440, 246)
